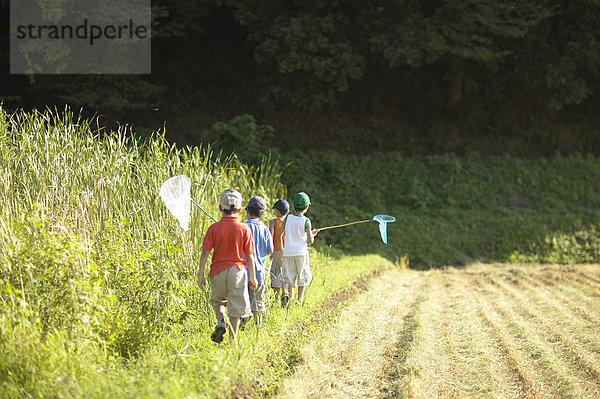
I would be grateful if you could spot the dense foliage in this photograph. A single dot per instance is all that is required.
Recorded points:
(516, 69)
(455, 210)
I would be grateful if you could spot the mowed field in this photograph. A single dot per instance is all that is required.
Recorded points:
(497, 331)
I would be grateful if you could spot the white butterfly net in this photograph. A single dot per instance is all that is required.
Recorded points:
(175, 193)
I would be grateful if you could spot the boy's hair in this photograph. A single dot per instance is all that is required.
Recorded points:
(229, 211)
(255, 211)
(299, 209)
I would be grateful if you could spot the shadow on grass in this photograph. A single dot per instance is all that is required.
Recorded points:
(399, 369)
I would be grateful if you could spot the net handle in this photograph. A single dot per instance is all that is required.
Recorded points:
(344, 225)
(202, 209)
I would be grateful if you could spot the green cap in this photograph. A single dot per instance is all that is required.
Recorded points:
(301, 200)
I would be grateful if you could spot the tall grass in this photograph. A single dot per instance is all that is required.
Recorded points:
(90, 258)
(98, 291)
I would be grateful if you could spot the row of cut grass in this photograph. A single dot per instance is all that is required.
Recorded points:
(351, 358)
(499, 331)
(564, 330)
(489, 331)
(532, 336)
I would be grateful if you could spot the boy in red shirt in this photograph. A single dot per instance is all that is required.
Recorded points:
(230, 239)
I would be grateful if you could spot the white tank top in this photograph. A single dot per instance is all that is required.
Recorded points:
(295, 236)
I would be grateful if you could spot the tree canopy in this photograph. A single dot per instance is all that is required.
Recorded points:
(481, 61)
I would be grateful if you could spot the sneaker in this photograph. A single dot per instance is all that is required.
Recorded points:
(217, 335)
(285, 299)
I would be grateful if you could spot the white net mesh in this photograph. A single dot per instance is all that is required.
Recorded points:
(175, 193)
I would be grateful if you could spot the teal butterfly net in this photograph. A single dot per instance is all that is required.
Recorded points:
(383, 220)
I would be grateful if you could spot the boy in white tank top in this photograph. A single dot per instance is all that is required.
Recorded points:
(295, 262)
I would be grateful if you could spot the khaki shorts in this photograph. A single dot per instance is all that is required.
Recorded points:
(276, 270)
(296, 270)
(229, 288)
(257, 298)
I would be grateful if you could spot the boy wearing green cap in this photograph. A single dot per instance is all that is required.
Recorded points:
(295, 262)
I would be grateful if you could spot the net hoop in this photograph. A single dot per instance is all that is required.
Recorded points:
(175, 193)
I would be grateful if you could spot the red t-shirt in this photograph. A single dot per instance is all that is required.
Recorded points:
(231, 239)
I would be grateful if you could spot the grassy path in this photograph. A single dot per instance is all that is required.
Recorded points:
(351, 358)
(492, 331)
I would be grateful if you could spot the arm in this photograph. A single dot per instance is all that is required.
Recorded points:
(310, 233)
(251, 271)
(201, 278)
(279, 238)
(272, 227)
(270, 246)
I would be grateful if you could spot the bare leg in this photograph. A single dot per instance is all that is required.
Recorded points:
(300, 293)
(257, 318)
(220, 312)
(221, 327)
(234, 324)
(289, 289)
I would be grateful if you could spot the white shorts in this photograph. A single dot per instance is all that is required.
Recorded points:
(296, 270)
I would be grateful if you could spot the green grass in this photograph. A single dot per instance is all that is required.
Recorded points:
(97, 280)
(98, 291)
